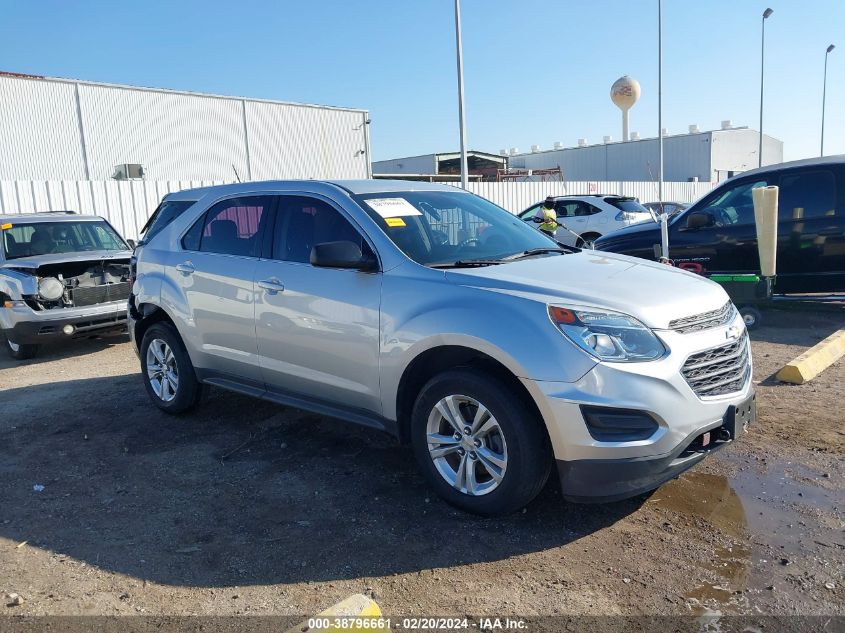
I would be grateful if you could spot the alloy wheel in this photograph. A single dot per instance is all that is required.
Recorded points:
(467, 445)
(162, 371)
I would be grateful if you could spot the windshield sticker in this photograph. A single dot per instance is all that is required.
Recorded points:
(6, 226)
(395, 222)
(392, 207)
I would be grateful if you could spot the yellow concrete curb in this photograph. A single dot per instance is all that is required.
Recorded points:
(355, 606)
(815, 360)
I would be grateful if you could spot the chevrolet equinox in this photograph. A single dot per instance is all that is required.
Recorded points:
(432, 314)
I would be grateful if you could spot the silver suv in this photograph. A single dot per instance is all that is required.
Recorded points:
(431, 313)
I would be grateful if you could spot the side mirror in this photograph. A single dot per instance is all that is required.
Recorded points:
(132, 244)
(342, 254)
(700, 220)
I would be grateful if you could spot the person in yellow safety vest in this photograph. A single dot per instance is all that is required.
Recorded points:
(547, 217)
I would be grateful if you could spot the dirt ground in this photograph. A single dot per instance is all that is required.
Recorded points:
(245, 507)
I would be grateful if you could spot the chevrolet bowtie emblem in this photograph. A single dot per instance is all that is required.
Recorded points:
(733, 332)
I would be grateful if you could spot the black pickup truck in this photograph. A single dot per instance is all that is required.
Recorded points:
(717, 235)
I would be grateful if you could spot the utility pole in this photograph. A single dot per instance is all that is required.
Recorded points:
(766, 14)
(461, 120)
(664, 218)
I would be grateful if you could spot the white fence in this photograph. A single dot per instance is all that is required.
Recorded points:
(128, 204)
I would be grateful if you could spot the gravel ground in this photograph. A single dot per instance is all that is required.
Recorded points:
(244, 507)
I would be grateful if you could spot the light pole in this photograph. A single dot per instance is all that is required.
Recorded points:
(766, 14)
(824, 93)
(461, 120)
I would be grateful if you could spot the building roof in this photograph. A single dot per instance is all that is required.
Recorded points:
(804, 162)
(82, 82)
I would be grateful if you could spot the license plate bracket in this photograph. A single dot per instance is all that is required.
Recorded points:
(738, 417)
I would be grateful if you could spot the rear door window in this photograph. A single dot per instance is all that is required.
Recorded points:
(809, 194)
(231, 227)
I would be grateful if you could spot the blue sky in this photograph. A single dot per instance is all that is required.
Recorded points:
(535, 71)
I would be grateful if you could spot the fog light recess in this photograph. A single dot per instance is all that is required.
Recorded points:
(607, 424)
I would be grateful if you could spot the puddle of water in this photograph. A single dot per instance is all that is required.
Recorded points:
(777, 502)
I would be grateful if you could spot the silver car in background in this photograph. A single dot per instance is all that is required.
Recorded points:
(434, 315)
(62, 276)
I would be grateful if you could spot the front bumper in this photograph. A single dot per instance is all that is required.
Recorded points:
(595, 470)
(605, 480)
(27, 326)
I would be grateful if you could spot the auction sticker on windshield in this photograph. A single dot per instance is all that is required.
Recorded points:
(392, 207)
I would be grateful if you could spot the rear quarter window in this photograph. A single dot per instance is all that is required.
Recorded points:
(166, 212)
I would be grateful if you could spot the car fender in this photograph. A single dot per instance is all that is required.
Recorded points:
(514, 331)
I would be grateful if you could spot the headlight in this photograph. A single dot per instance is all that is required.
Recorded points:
(607, 335)
(50, 288)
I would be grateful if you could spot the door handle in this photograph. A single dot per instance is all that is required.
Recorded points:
(271, 286)
(186, 268)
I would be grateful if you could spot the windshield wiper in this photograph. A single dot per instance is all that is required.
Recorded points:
(537, 251)
(468, 263)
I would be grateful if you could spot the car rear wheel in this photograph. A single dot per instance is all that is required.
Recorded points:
(19, 351)
(169, 376)
(478, 444)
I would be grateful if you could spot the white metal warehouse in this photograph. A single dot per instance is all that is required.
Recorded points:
(60, 129)
(710, 156)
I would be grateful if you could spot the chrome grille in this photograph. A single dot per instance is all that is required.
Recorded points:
(719, 370)
(91, 295)
(705, 320)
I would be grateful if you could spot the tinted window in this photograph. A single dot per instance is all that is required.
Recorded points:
(626, 204)
(567, 209)
(302, 222)
(810, 194)
(732, 205)
(163, 216)
(231, 227)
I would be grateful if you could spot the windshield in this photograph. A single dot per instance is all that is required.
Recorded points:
(442, 227)
(42, 238)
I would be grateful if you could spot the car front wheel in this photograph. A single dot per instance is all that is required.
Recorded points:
(478, 444)
(169, 376)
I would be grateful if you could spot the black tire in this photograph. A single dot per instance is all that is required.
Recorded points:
(19, 351)
(188, 389)
(586, 240)
(751, 316)
(528, 452)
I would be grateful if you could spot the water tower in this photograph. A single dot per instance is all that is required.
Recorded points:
(624, 93)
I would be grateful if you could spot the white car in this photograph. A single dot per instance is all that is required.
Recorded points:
(586, 218)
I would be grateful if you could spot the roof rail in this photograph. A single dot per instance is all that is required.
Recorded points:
(55, 212)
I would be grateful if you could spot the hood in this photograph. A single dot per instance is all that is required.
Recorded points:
(651, 292)
(640, 228)
(36, 261)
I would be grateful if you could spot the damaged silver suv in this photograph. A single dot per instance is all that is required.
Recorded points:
(62, 275)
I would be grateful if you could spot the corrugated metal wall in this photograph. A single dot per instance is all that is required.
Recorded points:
(685, 156)
(39, 129)
(128, 204)
(425, 164)
(64, 130)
